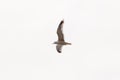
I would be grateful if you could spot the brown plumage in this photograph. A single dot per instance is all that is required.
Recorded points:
(61, 40)
(60, 31)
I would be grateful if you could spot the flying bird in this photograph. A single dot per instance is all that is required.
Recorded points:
(61, 42)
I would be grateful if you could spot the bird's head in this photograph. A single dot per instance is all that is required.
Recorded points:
(55, 43)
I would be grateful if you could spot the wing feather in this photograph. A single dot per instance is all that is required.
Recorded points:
(59, 48)
(60, 32)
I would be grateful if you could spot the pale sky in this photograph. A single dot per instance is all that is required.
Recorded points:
(28, 29)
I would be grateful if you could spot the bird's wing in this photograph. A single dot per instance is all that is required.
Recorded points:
(60, 32)
(59, 48)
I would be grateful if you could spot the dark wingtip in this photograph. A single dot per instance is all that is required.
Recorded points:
(59, 51)
(62, 21)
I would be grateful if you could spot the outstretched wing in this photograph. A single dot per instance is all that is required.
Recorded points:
(60, 32)
(59, 48)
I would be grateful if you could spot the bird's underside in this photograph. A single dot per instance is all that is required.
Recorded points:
(60, 41)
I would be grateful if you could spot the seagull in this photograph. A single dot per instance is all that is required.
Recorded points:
(61, 42)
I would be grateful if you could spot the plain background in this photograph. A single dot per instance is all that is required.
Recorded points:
(28, 29)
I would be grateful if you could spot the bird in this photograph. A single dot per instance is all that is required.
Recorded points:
(60, 42)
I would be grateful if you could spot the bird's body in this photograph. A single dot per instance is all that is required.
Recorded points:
(61, 42)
